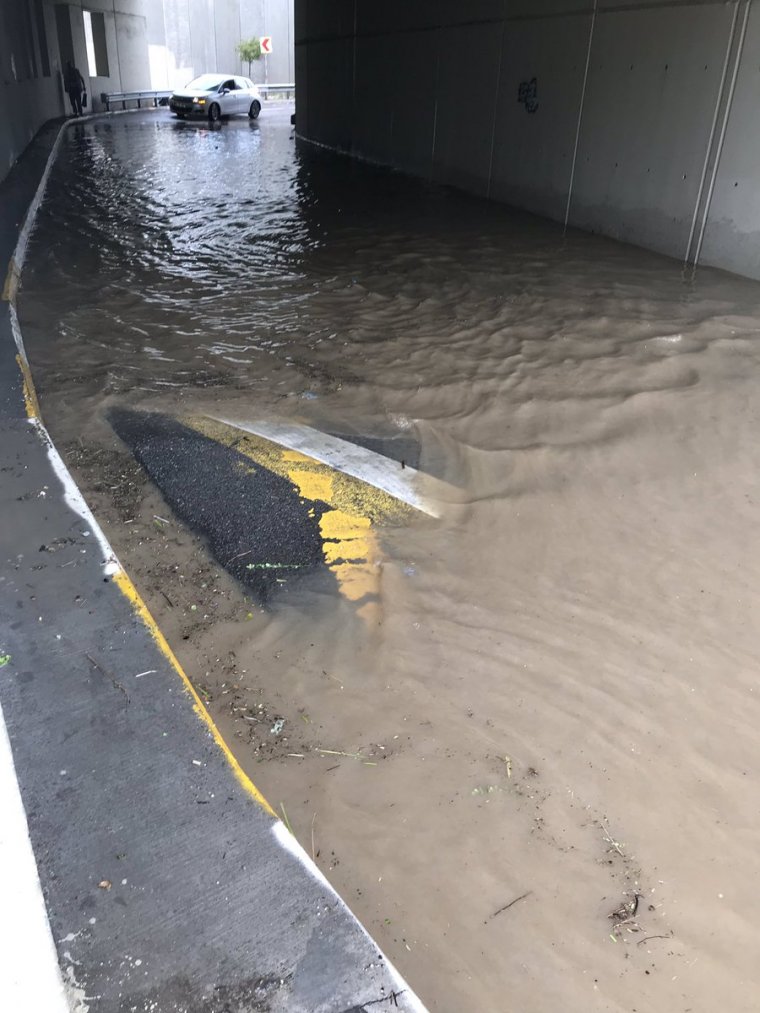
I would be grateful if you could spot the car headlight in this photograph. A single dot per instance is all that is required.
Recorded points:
(200, 101)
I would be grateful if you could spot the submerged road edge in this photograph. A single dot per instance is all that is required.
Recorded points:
(384, 977)
(72, 493)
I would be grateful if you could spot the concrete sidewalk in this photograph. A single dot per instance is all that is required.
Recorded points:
(168, 881)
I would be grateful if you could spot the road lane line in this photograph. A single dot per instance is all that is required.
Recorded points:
(30, 978)
(416, 489)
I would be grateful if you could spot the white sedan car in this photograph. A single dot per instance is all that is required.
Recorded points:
(217, 95)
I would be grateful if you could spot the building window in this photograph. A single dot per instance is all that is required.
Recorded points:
(95, 38)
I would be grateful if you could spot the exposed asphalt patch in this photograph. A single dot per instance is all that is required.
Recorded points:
(256, 524)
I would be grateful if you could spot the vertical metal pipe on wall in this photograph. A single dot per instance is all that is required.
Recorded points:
(571, 181)
(711, 136)
(724, 126)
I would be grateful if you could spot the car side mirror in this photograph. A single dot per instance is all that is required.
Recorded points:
(225, 91)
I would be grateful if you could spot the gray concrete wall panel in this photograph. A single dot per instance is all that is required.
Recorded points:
(278, 23)
(397, 16)
(300, 23)
(652, 88)
(415, 63)
(633, 149)
(27, 101)
(324, 21)
(202, 36)
(374, 107)
(227, 32)
(388, 127)
(464, 128)
(550, 8)
(533, 151)
(732, 236)
(301, 59)
(330, 108)
(131, 33)
(178, 41)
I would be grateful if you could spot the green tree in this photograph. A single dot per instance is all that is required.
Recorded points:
(249, 50)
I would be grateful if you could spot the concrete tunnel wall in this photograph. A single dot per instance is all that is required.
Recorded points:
(638, 120)
(31, 91)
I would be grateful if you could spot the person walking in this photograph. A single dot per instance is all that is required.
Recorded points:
(74, 84)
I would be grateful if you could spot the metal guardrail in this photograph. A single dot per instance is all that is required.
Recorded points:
(155, 98)
(286, 90)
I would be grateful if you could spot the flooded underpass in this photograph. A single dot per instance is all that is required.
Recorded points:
(514, 721)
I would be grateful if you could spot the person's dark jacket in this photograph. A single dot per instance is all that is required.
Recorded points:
(73, 80)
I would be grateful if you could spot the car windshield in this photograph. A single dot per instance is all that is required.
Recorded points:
(206, 82)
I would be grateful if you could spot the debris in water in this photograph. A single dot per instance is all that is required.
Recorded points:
(508, 906)
(285, 819)
(273, 566)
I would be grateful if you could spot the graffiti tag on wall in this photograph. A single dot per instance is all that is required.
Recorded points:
(527, 94)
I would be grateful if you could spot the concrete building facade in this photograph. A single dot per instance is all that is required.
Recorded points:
(189, 37)
(639, 120)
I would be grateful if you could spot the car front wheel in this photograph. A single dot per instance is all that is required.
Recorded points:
(255, 109)
(214, 113)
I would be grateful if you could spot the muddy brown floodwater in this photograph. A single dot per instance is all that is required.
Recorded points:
(558, 698)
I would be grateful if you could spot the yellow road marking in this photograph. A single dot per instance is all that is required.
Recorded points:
(349, 542)
(125, 585)
(11, 282)
(133, 596)
(131, 593)
(31, 404)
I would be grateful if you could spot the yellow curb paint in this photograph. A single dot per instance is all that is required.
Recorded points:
(31, 404)
(349, 494)
(349, 543)
(11, 282)
(122, 581)
(133, 596)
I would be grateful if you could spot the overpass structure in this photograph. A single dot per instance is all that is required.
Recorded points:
(638, 119)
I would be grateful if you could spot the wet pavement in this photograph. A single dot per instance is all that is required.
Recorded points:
(553, 697)
(129, 831)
